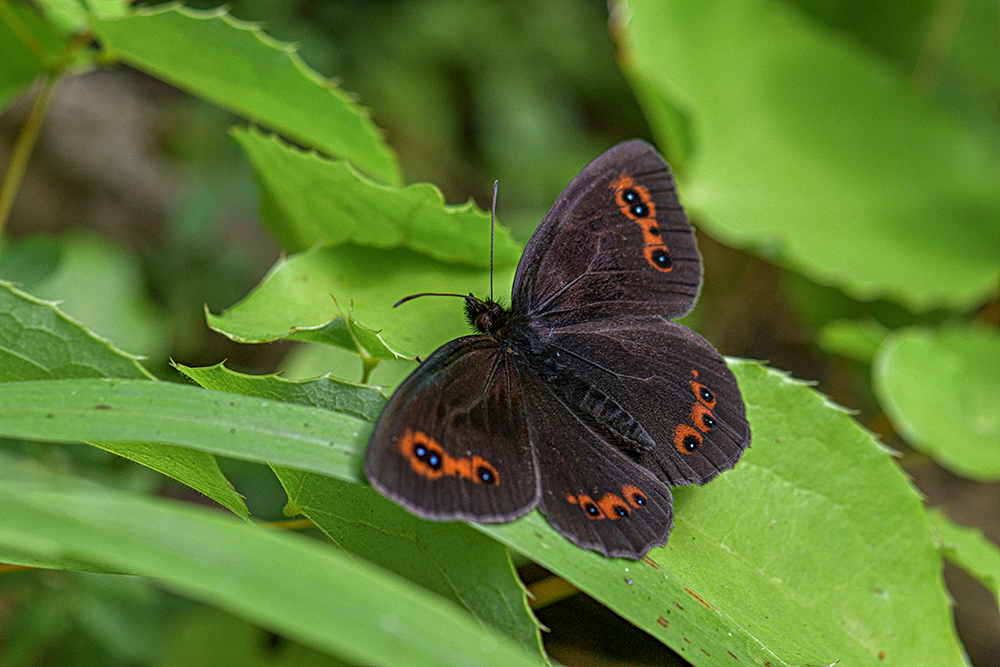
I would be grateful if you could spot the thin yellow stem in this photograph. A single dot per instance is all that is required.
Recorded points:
(22, 149)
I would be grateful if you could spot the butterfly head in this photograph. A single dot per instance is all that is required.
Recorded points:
(487, 316)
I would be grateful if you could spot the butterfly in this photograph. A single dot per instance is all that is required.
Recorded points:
(581, 399)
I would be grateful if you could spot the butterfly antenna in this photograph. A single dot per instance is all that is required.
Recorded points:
(415, 296)
(493, 226)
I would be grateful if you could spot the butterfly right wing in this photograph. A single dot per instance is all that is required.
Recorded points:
(452, 442)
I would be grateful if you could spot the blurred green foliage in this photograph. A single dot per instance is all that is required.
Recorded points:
(845, 151)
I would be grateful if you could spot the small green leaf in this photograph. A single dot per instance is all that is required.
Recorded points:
(326, 392)
(801, 144)
(308, 199)
(291, 584)
(941, 389)
(300, 287)
(235, 65)
(969, 549)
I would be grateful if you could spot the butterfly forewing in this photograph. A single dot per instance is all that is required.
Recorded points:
(452, 442)
(617, 243)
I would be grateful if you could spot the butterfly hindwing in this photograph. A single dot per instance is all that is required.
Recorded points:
(452, 442)
(658, 391)
(591, 492)
(616, 243)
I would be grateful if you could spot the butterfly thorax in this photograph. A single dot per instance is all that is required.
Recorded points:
(489, 317)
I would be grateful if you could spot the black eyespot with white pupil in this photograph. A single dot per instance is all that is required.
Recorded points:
(708, 421)
(432, 459)
(636, 207)
(621, 511)
(706, 394)
(662, 258)
(591, 509)
(486, 475)
(691, 443)
(638, 499)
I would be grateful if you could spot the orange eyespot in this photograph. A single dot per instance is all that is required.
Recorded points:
(686, 439)
(428, 459)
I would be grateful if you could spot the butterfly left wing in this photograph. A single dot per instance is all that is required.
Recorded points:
(452, 442)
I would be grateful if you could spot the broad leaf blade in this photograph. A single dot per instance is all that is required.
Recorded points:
(235, 65)
(942, 391)
(328, 393)
(450, 559)
(38, 341)
(803, 145)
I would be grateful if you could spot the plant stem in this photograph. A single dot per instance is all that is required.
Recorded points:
(22, 149)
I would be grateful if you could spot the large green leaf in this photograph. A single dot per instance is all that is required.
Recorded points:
(804, 145)
(328, 393)
(783, 559)
(285, 582)
(941, 389)
(38, 341)
(450, 559)
(308, 199)
(235, 65)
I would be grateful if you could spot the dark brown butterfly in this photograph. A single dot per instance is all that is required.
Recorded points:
(580, 399)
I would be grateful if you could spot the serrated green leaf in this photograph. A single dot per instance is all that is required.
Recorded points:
(450, 559)
(321, 597)
(38, 341)
(240, 427)
(327, 392)
(198, 470)
(969, 549)
(372, 281)
(235, 65)
(782, 560)
(308, 199)
(941, 389)
(806, 146)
